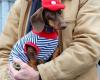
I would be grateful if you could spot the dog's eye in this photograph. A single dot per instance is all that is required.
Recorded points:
(59, 12)
(50, 16)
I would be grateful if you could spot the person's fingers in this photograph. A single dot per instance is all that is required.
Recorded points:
(12, 69)
(21, 63)
(11, 75)
(18, 61)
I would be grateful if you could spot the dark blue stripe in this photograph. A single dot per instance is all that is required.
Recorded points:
(47, 47)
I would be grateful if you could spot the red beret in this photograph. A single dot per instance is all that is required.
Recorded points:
(52, 5)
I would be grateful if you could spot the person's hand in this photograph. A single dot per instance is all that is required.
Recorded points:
(25, 73)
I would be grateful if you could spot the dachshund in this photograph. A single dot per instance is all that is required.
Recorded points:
(52, 20)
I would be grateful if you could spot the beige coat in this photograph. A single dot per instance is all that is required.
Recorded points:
(81, 40)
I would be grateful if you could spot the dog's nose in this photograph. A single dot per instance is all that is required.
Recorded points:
(63, 25)
(62, 28)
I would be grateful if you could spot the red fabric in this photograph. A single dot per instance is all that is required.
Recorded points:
(33, 45)
(52, 5)
(52, 35)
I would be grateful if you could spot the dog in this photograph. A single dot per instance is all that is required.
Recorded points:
(43, 19)
(52, 19)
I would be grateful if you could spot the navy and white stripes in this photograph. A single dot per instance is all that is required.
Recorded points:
(46, 46)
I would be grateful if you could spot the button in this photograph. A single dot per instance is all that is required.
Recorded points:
(53, 2)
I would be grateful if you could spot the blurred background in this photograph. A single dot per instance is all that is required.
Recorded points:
(4, 9)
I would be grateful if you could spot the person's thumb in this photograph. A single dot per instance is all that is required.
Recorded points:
(20, 62)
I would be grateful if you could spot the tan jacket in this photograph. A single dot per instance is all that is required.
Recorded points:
(81, 40)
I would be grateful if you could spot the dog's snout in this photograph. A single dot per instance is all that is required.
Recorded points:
(54, 19)
(63, 25)
(62, 28)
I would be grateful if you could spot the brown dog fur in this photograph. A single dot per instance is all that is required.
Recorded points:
(52, 19)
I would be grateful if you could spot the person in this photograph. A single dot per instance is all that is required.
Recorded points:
(81, 39)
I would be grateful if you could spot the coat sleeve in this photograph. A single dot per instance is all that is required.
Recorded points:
(83, 53)
(9, 36)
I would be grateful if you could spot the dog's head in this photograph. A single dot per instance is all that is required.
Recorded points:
(53, 19)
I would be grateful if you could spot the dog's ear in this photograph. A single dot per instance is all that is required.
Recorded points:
(37, 21)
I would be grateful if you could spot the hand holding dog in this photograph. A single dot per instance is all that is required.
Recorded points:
(25, 73)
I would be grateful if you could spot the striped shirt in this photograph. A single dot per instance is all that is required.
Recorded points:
(46, 42)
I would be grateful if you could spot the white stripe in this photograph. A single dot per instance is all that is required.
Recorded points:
(47, 47)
